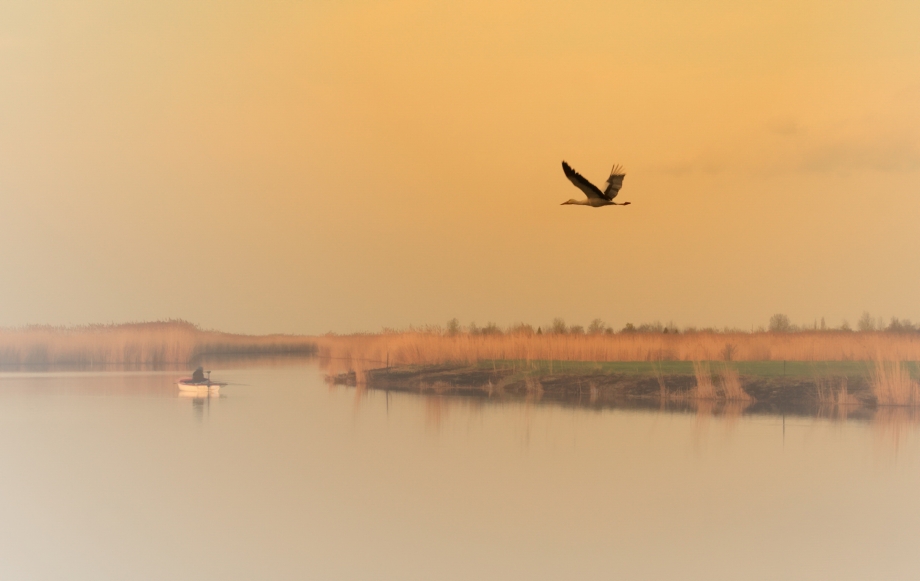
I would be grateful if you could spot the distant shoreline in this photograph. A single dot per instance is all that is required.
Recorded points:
(157, 344)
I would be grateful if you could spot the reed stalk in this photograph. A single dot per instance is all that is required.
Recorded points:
(730, 383)
(704, 388)
(893, 385)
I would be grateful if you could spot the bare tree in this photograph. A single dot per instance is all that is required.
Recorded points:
(780, 323)
(596, 327)
(865, 322)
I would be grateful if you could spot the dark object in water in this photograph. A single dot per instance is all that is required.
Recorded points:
(349, 378)
(198, 375)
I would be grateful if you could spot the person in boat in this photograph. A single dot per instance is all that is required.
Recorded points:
(198, 375)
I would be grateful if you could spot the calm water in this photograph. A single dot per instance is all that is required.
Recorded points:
(114, 476)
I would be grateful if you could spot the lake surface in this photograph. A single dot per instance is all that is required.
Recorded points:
(115, 476)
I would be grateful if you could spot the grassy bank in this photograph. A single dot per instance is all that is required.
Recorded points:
(137, 344)
(361, 352)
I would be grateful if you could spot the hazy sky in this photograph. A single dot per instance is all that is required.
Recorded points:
(312, 166)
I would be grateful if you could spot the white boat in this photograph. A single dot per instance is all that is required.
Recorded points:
(199, 383)
(186, 384)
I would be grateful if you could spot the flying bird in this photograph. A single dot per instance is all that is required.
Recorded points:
(596, 198)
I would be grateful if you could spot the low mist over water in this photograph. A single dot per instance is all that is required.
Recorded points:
(113, 475)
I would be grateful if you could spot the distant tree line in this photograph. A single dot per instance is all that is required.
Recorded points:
(557, 327)
(779, 323)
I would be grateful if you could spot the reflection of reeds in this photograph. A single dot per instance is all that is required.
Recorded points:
(893, 385)
(734, 408)
(162, 343)
(893, 425)
(435, 411)
(730, 411)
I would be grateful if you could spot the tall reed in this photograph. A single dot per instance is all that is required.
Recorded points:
(730, 384)
(704, 388)
(728, 388)
(833, 391)
(893, 385)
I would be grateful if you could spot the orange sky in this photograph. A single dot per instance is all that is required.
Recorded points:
(314, 166)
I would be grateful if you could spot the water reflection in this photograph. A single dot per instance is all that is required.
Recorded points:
(284, 478)
(891, 424)
(436, 409)
(202, 403)
(119, 383)
(111, 384)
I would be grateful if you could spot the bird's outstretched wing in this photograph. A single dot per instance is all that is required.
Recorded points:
(614, 182)
(581, 183)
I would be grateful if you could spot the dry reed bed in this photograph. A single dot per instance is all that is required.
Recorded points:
(416, 348)
(173, 342)
(891, 381)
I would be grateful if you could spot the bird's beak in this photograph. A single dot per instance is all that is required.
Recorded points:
(563, 203)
